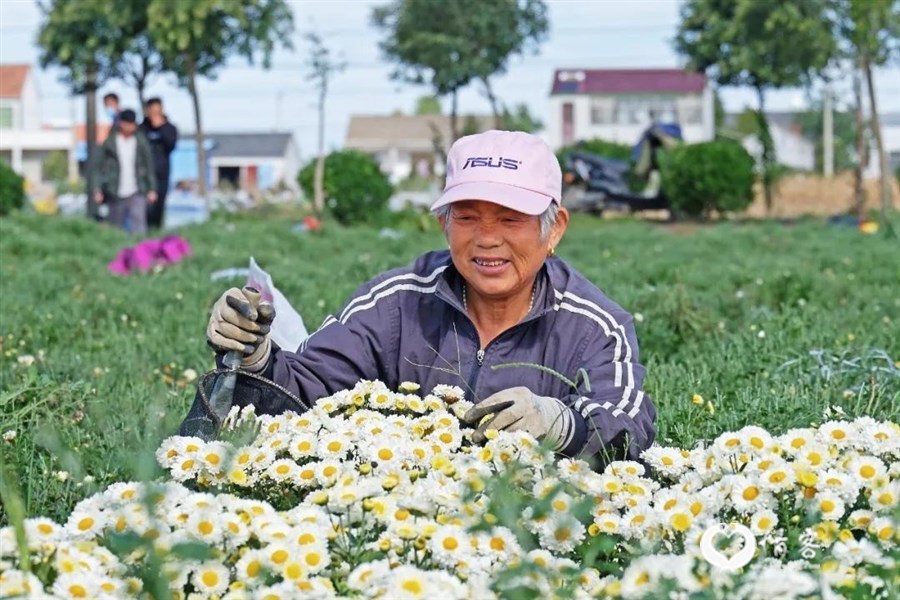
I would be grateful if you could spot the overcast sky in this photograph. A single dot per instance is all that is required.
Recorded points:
(584, 33)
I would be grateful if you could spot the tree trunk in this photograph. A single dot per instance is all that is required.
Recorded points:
(90, 96)
(886, 200)
(319, 176)
(495, 110)
(859, 194)
(454, 130)
(768, 150)
(201, 151)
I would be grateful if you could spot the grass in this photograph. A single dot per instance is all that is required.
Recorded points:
(770, 324)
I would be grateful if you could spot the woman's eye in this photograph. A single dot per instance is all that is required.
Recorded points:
(464, 218)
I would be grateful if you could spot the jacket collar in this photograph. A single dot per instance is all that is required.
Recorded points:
(450, 285)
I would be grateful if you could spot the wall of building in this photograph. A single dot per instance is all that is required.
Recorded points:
(624, 118)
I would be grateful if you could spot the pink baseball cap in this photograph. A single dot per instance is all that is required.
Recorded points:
(510, 168)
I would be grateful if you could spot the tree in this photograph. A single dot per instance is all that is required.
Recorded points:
(763, 44)
(869, 33)
(321, 68)
(810, 122)
(428, 105)
(85, 39)
(447, 45)
(196, 38)
(140, 63)
(521, 119)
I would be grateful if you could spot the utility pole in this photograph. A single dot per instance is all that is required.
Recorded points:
(828, 135)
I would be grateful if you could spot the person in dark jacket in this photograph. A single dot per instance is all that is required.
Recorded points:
(499, 295)
(162, 136)
(124, 177)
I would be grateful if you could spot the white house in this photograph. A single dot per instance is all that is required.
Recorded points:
(253, 161)
(24, 143)
(404, 145)
(619, 104)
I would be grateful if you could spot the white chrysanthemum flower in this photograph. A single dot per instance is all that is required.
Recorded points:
(210, 578)
(755, 439)
(363, 577)
(38, 532)
(18, 584)
(333, 446)
(122, 492)
(854, 552)
(839, 433)
(449, 545)
(666, 460)
(645, 575)
(86, 522)
(839, 482)
(762, 522)
(561, 534)
(283, 469)
(623, 468)
(213, 456)
(885, 529)
(747, 495)
(75, 585)
(205, 526)
(795, 440)
(609, 522)
(449, 393)
(777, 477)
(250, 567)
(879, 438)
(813, 457)
(185, 467)
(407, 582)
(867, 470)
(327, 472)
(884, 497)
(829, 505)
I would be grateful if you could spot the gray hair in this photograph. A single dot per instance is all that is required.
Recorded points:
(547, 218)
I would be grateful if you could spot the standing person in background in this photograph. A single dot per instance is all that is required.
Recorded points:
(112, 108)
(162, 136)
(124, 176)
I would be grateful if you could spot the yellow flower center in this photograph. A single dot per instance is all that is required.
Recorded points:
(85, 523)
(450, 544)
(385, 454)
(412, 586)
(750, 493)
(210, 578)
(867, 471)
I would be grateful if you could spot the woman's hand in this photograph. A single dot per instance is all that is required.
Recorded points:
(519, 409)
(239, 323)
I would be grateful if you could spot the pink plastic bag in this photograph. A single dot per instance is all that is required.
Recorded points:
(145, 255)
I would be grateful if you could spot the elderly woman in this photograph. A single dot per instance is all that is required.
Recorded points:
(499, 295)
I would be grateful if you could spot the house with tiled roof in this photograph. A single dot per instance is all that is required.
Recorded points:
(406, 145)
(24, 142)
(619, 104)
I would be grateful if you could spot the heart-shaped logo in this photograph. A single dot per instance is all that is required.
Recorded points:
(716, 558)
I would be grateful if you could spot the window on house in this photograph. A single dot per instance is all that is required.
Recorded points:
(691, 111)
(603, 111)
(6, 117)
(643, 110)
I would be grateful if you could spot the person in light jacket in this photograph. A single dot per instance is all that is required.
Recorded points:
(498, 295)
(125, 180)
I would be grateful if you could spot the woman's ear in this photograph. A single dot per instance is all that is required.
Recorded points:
(559, 228)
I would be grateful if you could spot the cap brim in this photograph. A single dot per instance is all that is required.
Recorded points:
(510, 196)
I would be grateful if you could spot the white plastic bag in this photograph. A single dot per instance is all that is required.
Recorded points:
(288, 330)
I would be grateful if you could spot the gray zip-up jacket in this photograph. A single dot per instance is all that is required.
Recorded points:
(409, 324)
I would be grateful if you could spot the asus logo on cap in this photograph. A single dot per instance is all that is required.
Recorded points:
(490, 161)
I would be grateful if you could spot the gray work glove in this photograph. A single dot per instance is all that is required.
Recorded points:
(519, 409)
(239, 322)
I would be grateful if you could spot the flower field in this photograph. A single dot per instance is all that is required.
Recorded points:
(771, 351)
(378, 494)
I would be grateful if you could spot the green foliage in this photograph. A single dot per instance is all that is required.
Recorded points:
(428, 105)
(56, 167)
(763, 44)
(597, 146)
(700, 178)
(12, 190)
(700, 301)
(521, 119)
(356, 191)
(447, 45)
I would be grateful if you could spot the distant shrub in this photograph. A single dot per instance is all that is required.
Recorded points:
(603, 148)
(12, 190)
(356, 191)
(706, 177)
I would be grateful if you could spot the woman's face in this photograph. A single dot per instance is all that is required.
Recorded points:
(497, 250)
